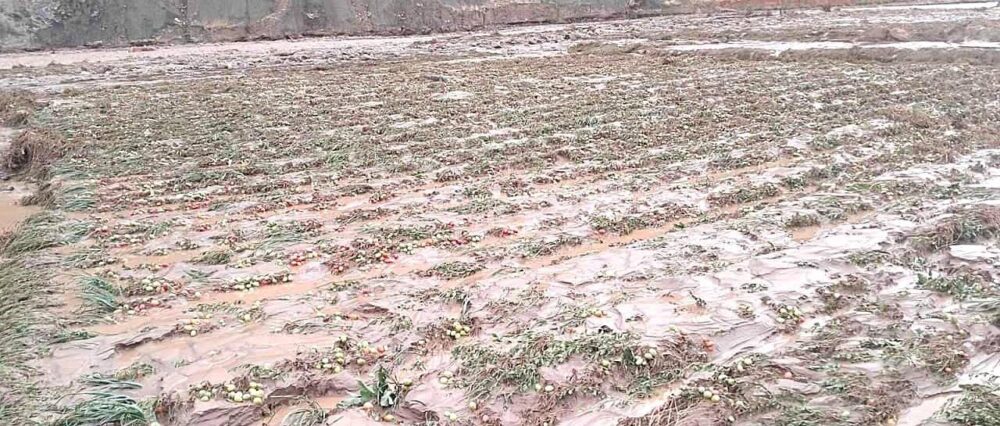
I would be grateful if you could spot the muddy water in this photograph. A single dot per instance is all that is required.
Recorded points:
(170, 258)
(12, 212)
(805, 233)
(781, 46)
(265, 47)
(943, 6)
(651, 289)
(917, 415)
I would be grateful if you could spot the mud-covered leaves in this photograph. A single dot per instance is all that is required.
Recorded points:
(384, 391)
(103, 408)
(979, 405)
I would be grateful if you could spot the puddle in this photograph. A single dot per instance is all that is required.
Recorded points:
(11, 210)
(917, 415)
(12, 192)
(805, 233)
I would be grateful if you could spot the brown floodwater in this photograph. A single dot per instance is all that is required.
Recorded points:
(12, 212)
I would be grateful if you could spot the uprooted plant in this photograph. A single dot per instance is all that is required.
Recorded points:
(967, 226)
(16, 107)
(385, 392)
(32, 151)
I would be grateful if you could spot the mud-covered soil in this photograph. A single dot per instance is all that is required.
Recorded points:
(544, 225)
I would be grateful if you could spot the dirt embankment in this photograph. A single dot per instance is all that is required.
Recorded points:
(40, 24)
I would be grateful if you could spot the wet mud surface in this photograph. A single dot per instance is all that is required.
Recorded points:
(567, 224)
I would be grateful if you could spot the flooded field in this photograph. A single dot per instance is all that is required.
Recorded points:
(785, 218)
